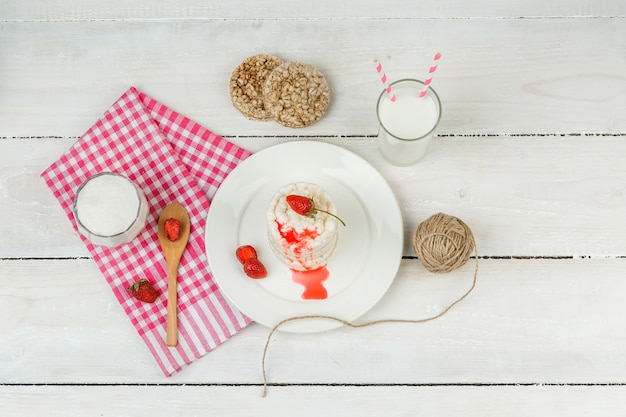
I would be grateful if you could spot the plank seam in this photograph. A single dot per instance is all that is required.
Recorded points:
(190, 19)
(406, 257)
(439, 135)
(317, 384)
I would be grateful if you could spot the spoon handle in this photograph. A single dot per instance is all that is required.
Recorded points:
(171, 338)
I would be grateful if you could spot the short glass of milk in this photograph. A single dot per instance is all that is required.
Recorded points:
(110, 209)
(408, 124)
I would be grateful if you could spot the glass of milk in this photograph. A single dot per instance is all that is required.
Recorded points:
(407, 126)
(110, 209)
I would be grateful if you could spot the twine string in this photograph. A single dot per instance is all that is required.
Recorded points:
(443, 243)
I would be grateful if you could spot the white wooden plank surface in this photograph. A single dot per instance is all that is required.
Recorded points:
(517, 401)
(566, 199)
(525, 76)
(65, 10)
(522, 324)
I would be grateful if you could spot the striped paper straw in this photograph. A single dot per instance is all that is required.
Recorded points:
(383, 79)
(431, 72)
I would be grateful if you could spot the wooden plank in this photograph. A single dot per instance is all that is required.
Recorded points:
(527, 321)
(60, 82)
(147, 10)
(157, 401)
(522, 196)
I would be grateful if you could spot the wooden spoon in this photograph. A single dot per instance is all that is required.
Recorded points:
(173, 252)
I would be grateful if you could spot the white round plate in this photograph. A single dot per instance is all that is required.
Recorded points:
(370, 245)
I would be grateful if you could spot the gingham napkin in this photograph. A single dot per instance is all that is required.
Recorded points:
(171, 158)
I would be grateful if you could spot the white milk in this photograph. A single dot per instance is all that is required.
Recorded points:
(407, 125)
(110, 209)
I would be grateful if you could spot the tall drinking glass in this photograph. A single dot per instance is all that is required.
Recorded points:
(408, 124)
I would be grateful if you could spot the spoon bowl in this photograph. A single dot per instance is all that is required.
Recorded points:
(173, 251)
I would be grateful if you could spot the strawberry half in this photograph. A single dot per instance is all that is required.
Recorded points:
(305, 206)
(143, 291)
(245, 252)
(172, 229)
(254, 268)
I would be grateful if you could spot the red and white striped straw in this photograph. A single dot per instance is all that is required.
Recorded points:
(383, 79)
(431, 72)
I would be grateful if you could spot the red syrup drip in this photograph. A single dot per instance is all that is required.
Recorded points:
(299, 242)
(312, 282)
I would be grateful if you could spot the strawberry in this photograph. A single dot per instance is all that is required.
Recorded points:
(305, 206)
(254, 268)
(245, 252)
(172, 229)
(143, 291)
(300, 204)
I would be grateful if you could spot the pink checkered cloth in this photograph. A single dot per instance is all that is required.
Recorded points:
(171, 158)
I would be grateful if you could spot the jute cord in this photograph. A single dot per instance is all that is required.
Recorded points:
(443, 243)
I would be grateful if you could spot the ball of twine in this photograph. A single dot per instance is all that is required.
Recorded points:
(443, 243)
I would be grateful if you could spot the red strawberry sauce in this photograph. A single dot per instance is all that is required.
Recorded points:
(301, 243)
(312, 282)
(291, 236)
(298, 242)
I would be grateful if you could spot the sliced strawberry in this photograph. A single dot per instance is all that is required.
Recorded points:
(254, 268)
(245, 252)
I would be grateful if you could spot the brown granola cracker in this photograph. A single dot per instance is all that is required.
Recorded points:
(246, 85)
(296, 94)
